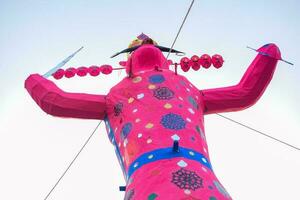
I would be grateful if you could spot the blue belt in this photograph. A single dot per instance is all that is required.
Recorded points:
(167, 153)
(155, 155)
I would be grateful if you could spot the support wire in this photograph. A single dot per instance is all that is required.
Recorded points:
(74, 159)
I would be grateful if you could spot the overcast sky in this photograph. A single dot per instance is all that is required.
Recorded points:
(35, 148)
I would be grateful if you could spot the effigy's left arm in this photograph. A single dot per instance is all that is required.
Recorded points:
(251, 87)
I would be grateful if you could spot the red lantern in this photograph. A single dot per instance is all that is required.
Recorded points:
(70, 72)
(217, 61)
(82, 71)
(205, 61)
(185, 64)
(94, 70)
(58, 74)
(123, 63)
(195, 62)
(106, 69)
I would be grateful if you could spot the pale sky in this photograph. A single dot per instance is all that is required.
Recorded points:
(35, 148)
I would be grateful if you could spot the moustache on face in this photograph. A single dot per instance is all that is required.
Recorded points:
(162, 48)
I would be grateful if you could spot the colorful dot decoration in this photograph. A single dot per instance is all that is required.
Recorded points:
(198, 129)
(135, 110)
(152, 196)
(173, 121)
(130, 100)
(193, 102)
(191, 110)
(149, 141)
(151, 86)
(140, 96)
(149, 125)
(187, 191)
(157, 78)
(137, 79)
(181, 163)
(175, 137)
(167, 106)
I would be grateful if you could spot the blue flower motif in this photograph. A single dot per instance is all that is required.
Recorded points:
(157, 78)
(163, 93)
(173, 121)
(126, 130)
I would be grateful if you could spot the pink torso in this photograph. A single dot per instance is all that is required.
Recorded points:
(148, 112)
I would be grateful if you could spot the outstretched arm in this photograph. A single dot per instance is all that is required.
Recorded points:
(56, 102)
(249, 89)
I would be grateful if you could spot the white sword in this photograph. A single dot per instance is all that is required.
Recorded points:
(61, 64)
(265, 54)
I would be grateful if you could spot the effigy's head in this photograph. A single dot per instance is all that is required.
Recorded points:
(145, 54)
(146, 57)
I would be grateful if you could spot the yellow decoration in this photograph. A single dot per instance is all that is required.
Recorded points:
(151, 86)
(149, 125)
(167, 106)
(137, 79)
(130, 100)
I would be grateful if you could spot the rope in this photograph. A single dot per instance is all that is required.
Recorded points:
(183, 22)
(260, 132)
(74, 159)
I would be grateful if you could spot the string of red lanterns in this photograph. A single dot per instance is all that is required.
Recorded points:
(195, 62)
(205, 61)
(83, 71)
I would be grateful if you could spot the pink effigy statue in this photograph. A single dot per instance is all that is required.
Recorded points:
(154, 119)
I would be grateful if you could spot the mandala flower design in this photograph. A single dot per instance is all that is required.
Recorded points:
(163, 93)
(126, 130)
(118, 109)
(173, 121)
(186, 179)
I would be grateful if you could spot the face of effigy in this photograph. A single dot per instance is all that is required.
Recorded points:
(146, 57)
